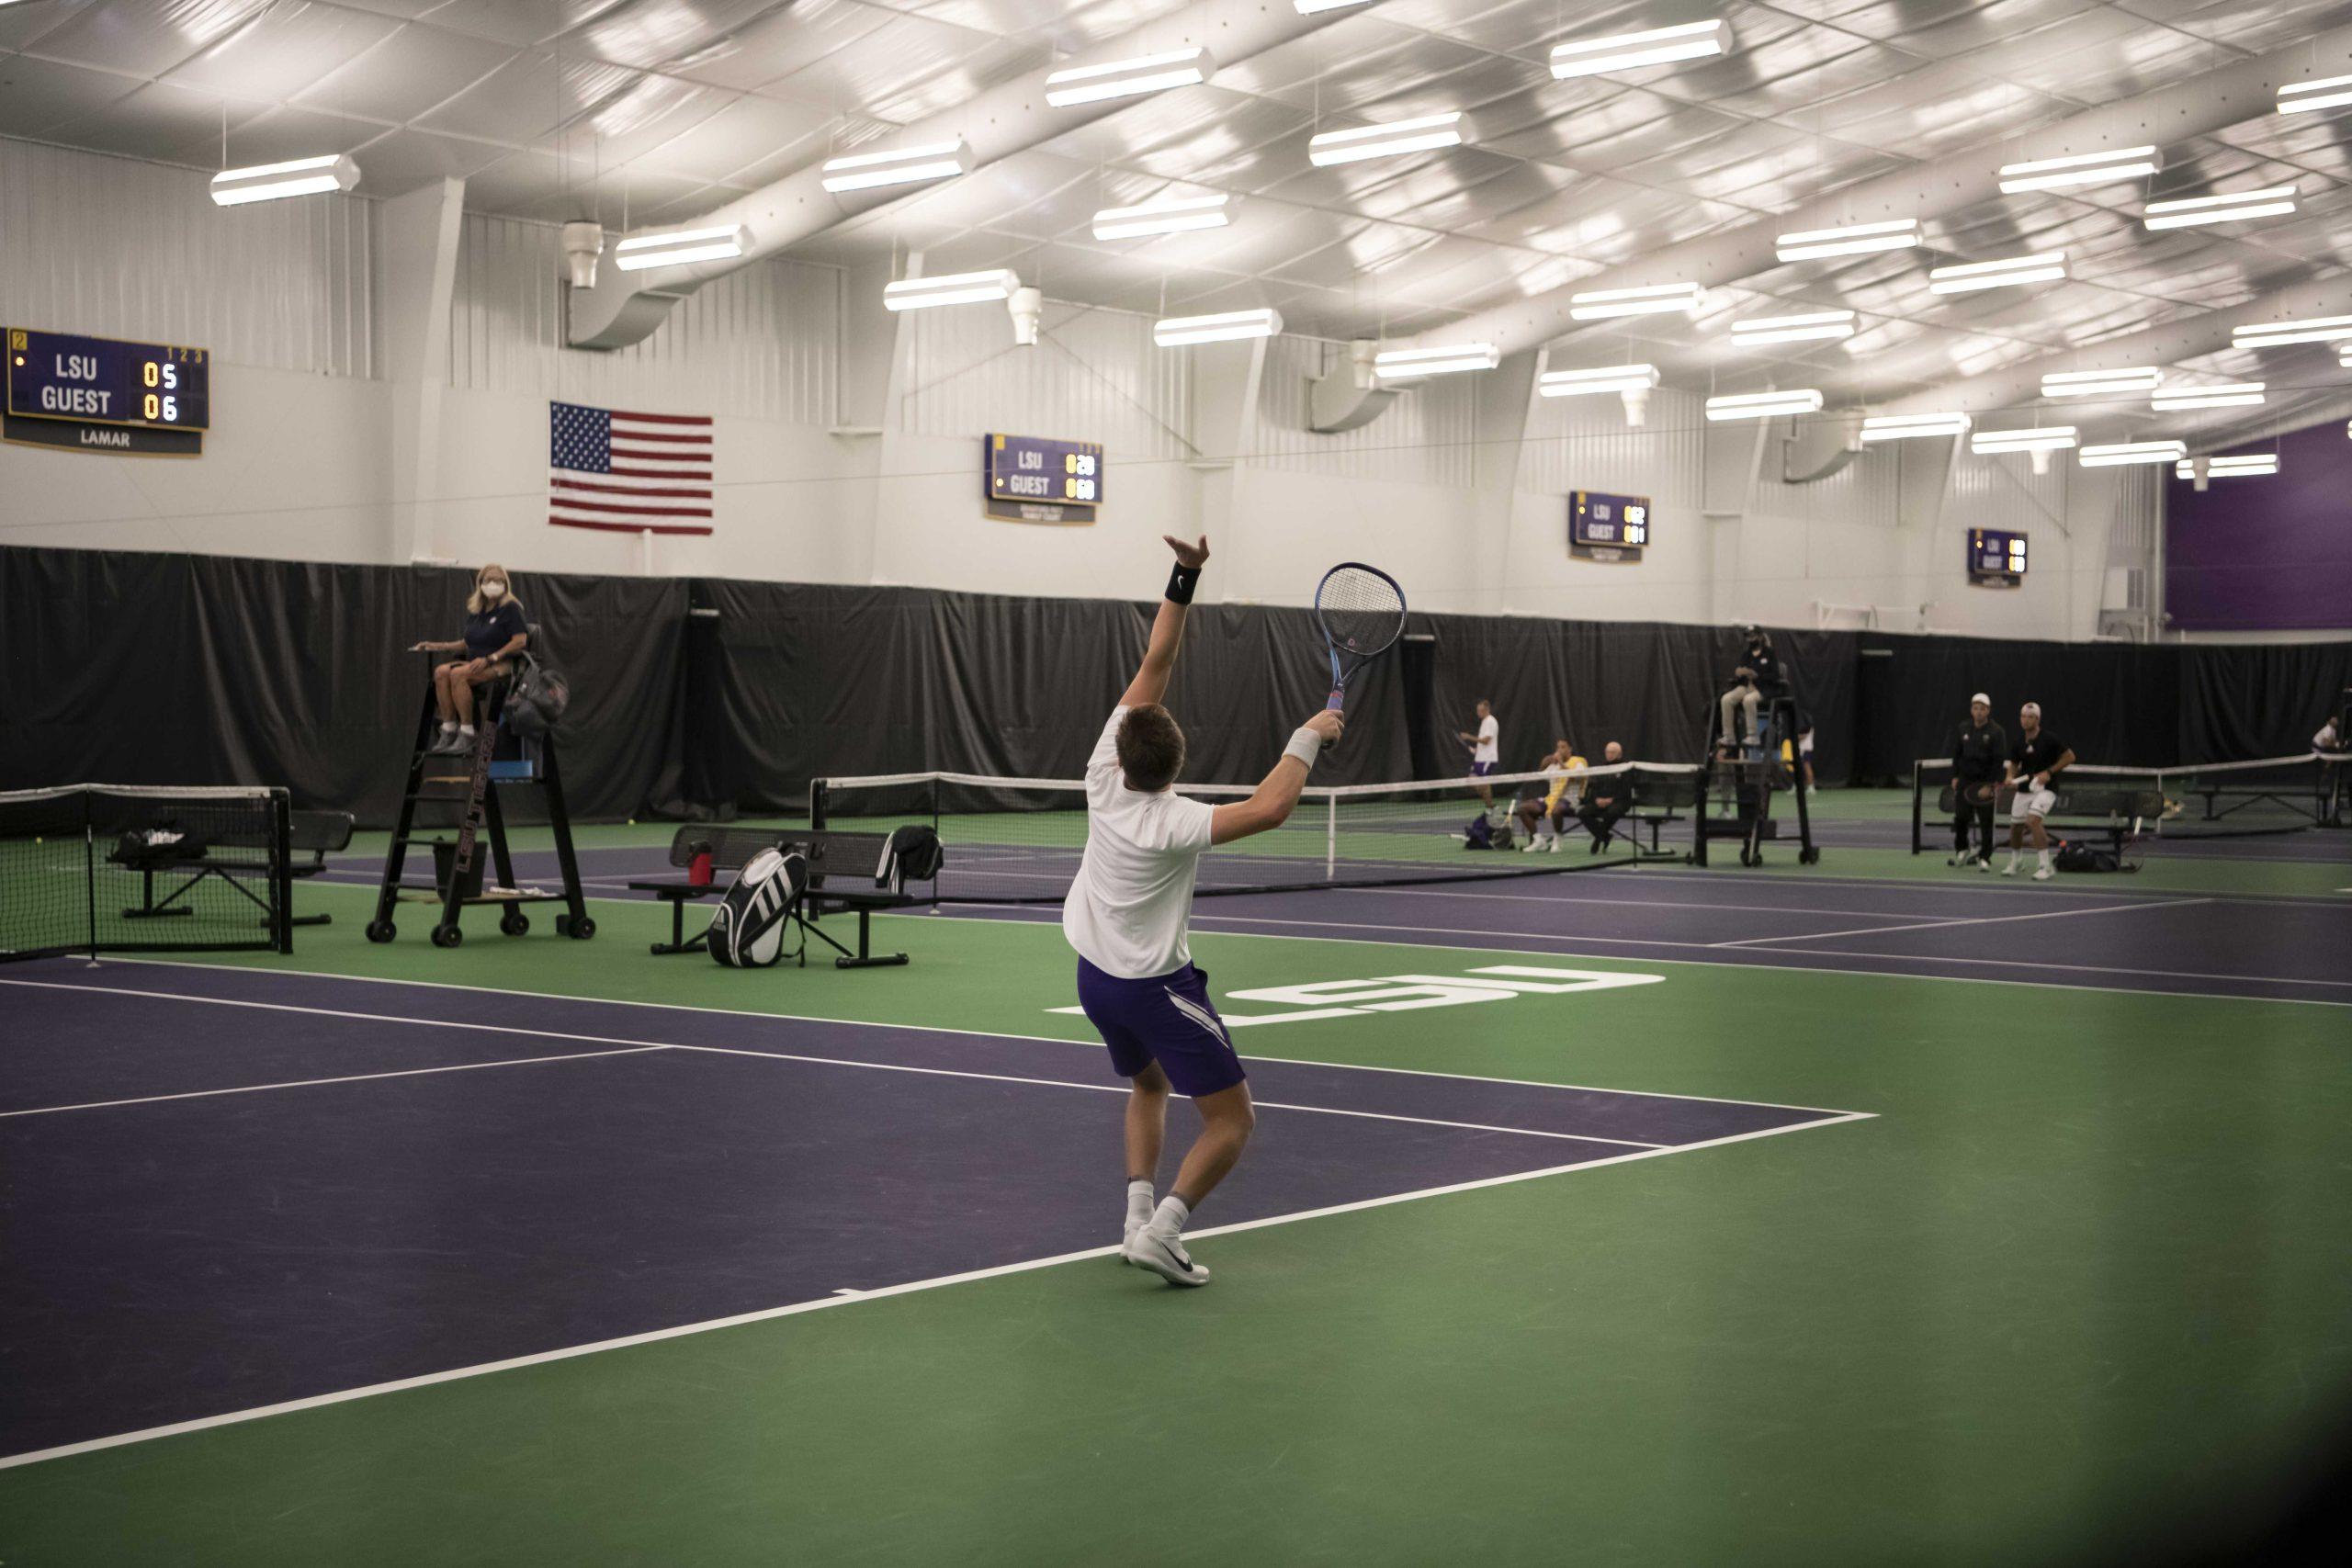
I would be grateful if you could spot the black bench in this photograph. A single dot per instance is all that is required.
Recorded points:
(2117, 813)
(845, 878)
(311, 836)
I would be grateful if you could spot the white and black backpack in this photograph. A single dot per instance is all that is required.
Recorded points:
(747, 933)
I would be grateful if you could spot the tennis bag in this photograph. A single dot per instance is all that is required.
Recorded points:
(747, 933)
(912, 854)
(537, 701)
(2083, 857)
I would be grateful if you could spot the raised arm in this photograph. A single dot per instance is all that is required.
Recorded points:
(1277, 793)
(1150, 684)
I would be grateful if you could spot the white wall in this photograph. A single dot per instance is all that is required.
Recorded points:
(849, 443)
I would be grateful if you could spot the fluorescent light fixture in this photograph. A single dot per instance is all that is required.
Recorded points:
(681, 246)
(1169, 215)
(2251, 465)
(269, 182)
(1911, 427)
(2133, 381)
(2326, 93)
(1792, 329)
(950, 288)
(899, 166)
(1651, 299)
(1630, 52)
(1854, 240)
(2082, 169)
(1387, 141)
(1316, 7)
(2270, 201)
(1606, 379)
(2228, 395)
(1175, 331)
(2040, 438)
(2042, 266)
(1403, 364)
(2118, 454)
(2277, 335)
(1128, 78)
(1765, 405)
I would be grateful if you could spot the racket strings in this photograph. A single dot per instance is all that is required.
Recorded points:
(1362, 611)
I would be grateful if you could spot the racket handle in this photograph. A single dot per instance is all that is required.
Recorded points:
(1339, 695)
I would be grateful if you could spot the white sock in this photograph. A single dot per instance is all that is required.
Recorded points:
(1138, 1203)
(1169, 1217)
(2044, 859)
(465, 729)
(449, 727)
(2013, 859)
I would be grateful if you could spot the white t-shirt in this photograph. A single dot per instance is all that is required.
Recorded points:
(1132, 899)
(1489, 748)
(2325, 740)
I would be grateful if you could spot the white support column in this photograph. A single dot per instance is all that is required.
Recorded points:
(417, 267)
(1225, 380)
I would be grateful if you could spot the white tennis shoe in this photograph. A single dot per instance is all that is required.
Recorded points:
(2044, 874)
(1164, 1256)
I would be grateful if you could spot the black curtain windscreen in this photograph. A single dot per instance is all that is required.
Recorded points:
(717, 694)
(135, 668)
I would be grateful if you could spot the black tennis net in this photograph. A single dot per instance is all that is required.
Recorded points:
(2204, 800)
(122, 868)
(1018, 841)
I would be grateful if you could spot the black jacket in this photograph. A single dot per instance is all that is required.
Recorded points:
(1977, 754)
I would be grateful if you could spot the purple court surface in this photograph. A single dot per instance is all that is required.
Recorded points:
(394, 1181)
(2105, 933)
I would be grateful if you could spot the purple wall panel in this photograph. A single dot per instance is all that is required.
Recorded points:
(2267, 554)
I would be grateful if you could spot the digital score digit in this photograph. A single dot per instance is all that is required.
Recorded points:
(105, 394)
(1608, 527)
(1995, 557)
(1042, 479)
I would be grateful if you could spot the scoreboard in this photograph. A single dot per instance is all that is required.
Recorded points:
(1996, 558)
(106, 394)
(1608, 527)
(1033, 479)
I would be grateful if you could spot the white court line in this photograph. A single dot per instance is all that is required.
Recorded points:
(1962, 920)
(721, 1050)
(823, 1303)
(1784, 968)
(312, 1083)
(949, 1029)
(1262, 1104)
(1613, 902)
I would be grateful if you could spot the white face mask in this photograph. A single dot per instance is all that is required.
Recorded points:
(494, 590)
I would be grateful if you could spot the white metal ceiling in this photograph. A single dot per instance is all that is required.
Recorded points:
(659, 109)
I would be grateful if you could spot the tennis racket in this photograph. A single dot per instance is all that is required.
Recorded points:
(1361, 612)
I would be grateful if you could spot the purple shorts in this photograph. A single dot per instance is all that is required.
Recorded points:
(1167, 1019)
(1480, 770)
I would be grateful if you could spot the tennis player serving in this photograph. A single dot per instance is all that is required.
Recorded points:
(1126, 915)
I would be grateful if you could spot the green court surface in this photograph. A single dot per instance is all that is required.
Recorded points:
(2079, 1287)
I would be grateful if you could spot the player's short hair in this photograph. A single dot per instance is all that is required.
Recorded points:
(1151, 747)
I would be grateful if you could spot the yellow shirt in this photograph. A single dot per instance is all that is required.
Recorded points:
(1559, 777)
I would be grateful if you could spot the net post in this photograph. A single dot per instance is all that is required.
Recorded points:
(1331, 835)
(816, 806)
(1917, 799)
(281, 870)
(90, 863)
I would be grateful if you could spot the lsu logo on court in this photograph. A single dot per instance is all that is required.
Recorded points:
(1407, 993)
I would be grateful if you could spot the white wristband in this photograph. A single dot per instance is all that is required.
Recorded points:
(1305, 745)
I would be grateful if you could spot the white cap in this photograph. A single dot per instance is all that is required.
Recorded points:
(1981, 698)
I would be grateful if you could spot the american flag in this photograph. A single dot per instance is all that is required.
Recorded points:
(630, 472)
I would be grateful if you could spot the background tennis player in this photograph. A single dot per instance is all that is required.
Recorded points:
(1126, 915)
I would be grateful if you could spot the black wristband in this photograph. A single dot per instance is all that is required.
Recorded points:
(1180, 583)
